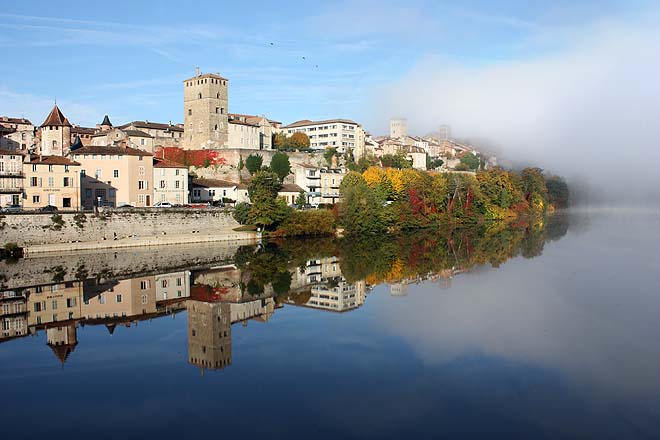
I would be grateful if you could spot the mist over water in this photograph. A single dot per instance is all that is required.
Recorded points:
(587, 109)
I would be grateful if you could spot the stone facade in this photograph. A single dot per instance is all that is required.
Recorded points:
(55, 134)
(398, 128)
(206, 104)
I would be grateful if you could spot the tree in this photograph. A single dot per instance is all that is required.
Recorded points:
(253, 163)
(328, 154)
(241, 212)
(433, 163)
(280, 165)
(279, 141)
(366, 161)
(558, 193)
(267, 209)
(299, 141)
(398, 160)
(471, 161)
(361, 210)
(301, 199)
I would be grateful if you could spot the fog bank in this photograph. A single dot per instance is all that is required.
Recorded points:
(590, 108)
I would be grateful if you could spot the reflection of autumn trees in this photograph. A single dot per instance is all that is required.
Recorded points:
(393, 258)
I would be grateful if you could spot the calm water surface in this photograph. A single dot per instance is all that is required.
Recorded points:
(541, 331)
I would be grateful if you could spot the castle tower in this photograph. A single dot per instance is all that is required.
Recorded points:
(62, 340)
(398, 128)
(55, 134)
(205, 106)
(209, 334)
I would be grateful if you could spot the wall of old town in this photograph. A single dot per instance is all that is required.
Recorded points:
(37, 228)
(47, 269)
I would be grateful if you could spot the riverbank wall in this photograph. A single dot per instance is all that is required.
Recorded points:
(30, 229)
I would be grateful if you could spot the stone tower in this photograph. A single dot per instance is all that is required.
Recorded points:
(209, 334)
(205, 106)
(398, 128)
(62, 340)
(55, 134)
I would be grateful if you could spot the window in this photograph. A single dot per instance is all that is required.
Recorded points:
(54, 304)
(65, 182)
(34, 181)
(115, 173)
(141, 199)
(51, 181)
(141, 141)
(141, 170)
(189, 112)
(163, 284)
(66, 202)
(144, 299)
(176, 184)
(34, 168)
(145, 284)
(98, 174)
(163, 184)
(119, 298)
(142, 184)
(70, 302)
(102, 298)
(176, 172)
(217, 110)
(199, 96)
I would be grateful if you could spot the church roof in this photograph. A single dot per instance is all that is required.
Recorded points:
(56, 118)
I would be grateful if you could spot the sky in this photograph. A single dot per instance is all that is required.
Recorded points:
(543, 80)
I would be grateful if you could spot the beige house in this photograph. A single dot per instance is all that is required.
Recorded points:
(170, 182)
(266, 128)
(244, 135)
(290, 192)
(214, 190)
(11, 177)
(115, 176)
(52, 180)
(119, 298)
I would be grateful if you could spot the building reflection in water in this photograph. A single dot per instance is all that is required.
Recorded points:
(214, 298)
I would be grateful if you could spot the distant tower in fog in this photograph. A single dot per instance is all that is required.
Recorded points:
(398, 127)
(444, 132)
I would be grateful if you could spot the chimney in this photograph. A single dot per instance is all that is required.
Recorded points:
(197, 71)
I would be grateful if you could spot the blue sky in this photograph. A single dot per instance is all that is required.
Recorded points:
(128, 58)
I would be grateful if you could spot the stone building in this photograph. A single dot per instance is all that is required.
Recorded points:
(11, 177)
(115, 176)
(18, 134)
(52, 181)
(244, 135)
(209, 334)
(83, 134)
(205, 105)
(55, 134)
(117, 136)
(167, 135)
(266, 128)
(62, 340)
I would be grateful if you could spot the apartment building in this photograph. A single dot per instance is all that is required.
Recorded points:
(342, 134)
(52, 181)
(11, 177)
(170, 182)
(321, 185)
(115, 176)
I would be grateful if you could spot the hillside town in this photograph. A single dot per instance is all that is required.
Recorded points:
(59, 165)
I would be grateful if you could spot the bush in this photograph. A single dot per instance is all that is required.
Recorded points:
(241, 212)
(312, 222)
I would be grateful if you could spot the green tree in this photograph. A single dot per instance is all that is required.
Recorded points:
(366, 161)
(433, 163)
(298, 140)
(280, 165)
(558, 193)
(301, 199)
(398, 160)
(267, 209)
(241, 213)
(328, 154)
(471, 161)
(253, 163)
(362, 210)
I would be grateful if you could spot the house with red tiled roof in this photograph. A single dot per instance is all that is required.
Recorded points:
(170, 182)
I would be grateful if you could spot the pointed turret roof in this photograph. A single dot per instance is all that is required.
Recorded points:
(111, 328)
(77, 143)
(62, 351)
(56, 118)
(106, 121)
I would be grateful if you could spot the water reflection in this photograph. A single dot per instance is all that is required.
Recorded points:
(322, 274)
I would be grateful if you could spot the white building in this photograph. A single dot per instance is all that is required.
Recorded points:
(170, 182)
(342, 134)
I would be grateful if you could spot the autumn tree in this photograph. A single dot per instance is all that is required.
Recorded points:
(298, 140)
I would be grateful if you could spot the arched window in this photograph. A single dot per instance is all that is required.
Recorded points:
(189, 112)
(199, 96)
(222, 110)
(218, 95)
(216, 127)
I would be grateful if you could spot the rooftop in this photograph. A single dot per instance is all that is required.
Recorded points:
(164, 163)
(206, 75)
(290, 187)
(153, 125)
(5, 152)
(126, 151)
(52, 160)
(8, 120)
(56, 118)
(306, 122)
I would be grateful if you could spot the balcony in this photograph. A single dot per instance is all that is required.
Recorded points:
(11, 190)
(11, 174)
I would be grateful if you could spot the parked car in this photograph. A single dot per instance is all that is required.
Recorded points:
(125, 206)
(48, 208)
(162, 205)
(12, 208)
